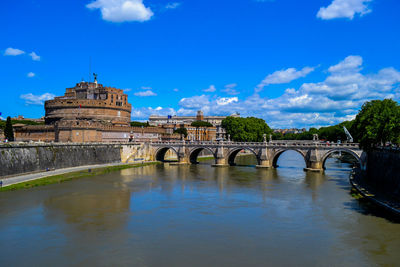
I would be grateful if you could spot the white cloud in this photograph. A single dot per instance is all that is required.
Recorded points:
(344, 9)
(230, 89)
(122, 10)
(210, 89)
(145, 93)
(335, 99)
(30, 75)
(172, 5)
(176, 90)
(226, 100)
(350, 63)
(13, 52)
(31, 99)
(34, 56)
(194, 102)
(145, 112)
(284, 76)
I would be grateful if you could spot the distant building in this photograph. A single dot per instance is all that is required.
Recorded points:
(156, 120)
(292, 131)
(197, 134)
(22, 118)
(194, 134)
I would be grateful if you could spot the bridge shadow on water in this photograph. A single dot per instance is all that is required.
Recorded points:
(339, 172)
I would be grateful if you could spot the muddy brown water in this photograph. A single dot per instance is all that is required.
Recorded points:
(198, 216)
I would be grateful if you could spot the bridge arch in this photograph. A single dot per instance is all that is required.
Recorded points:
(160, 153)
(234, 151)
(194, 153)
(278, 153)
(335, 150)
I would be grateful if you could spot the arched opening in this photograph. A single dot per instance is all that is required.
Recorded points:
(202, 152)
(166, 154)
(289, 158)
(243, 157)
(340, 158)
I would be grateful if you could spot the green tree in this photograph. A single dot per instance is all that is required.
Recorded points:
(181, 131)
(377, 122)
(8, 130)
(202, 124)
(139, 124)
(249, 129)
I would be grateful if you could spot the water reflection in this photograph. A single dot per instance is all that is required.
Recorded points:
(198, 215)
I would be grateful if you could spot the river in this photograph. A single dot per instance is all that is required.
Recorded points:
(198, 215)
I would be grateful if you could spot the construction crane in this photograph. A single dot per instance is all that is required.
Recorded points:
(349, 137)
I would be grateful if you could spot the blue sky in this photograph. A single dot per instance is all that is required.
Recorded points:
(293, 63)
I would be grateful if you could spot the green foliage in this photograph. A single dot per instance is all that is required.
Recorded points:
(329, 133)
(139, 124)
(246, 129)
(199, 124)
(378, 122)
(8, 130)
(181, 131)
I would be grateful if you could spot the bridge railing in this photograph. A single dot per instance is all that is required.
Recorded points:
(244, 144)
(195, 143)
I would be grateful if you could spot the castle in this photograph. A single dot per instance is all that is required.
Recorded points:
(88, 112)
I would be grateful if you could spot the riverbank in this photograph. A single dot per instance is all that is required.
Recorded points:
(368, 193)
(63, 175)
(205, 158)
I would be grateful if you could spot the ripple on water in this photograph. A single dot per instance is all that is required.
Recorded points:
(198, 215)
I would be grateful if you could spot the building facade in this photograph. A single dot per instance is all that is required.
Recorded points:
(156, 120)
(194, 134)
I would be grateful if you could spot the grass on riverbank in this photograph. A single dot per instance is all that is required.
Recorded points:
(60, 178)
(205, 158)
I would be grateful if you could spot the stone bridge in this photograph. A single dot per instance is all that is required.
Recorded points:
(267, 153)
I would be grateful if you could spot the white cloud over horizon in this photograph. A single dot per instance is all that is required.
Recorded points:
(143, 113)
(344, 9)
(122, 10)
(31, 99)
(284, 76)
(336, 98)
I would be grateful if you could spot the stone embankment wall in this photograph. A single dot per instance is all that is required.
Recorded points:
(383, 170)
(23, 158)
